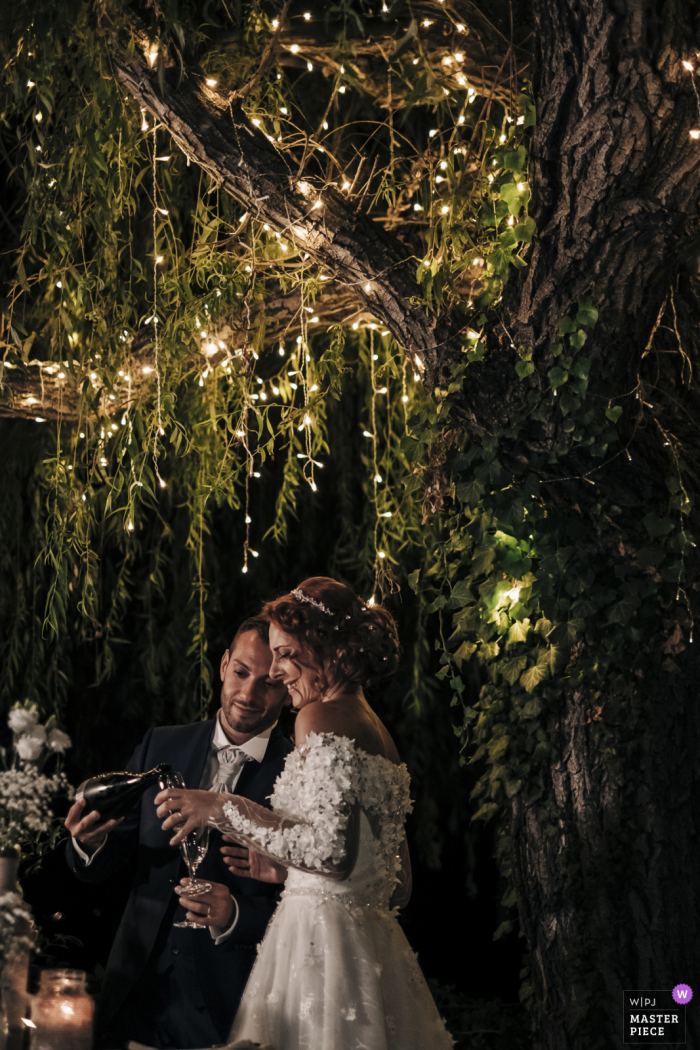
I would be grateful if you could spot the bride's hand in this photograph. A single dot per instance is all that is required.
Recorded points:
(252, 865)
(187, 810)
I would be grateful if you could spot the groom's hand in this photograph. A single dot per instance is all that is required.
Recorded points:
(213, 908)
(252, 865)
(86, 827)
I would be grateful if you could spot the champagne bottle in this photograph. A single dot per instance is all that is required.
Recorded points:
(114, 794)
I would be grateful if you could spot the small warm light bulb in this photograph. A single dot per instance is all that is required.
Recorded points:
(294, 48)
(521, 187)
(211, 83)
(695, 134)
(368, 287)
(381, 554)
(688, 66)
(378, 478)
(513, 594)
(307, 16)
(163, 484)
(511, 220)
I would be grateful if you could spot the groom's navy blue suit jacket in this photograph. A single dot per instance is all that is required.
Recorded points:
(218, 972)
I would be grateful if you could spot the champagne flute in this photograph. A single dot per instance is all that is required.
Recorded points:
(193, 849)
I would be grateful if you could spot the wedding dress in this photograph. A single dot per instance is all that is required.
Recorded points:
(334, 970)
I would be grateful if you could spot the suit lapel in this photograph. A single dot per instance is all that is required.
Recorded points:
(193, 759)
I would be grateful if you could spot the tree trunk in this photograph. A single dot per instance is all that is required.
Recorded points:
(605, 862)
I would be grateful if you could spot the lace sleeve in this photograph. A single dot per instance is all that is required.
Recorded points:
(317, 830)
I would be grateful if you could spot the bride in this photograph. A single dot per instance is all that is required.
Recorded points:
(334, 971)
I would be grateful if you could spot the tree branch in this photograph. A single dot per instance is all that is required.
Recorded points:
(347, 245)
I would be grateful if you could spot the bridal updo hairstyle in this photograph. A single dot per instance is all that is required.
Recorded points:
(361, 640)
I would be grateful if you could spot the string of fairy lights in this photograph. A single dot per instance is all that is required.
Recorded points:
(285, 243)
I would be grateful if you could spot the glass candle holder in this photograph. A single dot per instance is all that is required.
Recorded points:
(62, 1012)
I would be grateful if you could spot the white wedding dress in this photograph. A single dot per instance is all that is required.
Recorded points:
(334, 970)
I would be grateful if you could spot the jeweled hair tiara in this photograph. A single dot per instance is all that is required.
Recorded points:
(301, 597)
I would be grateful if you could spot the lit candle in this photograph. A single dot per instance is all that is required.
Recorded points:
(62, 1012)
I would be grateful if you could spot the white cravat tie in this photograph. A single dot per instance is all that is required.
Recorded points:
(231, 761)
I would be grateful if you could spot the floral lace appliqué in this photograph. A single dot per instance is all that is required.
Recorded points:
(316, 791)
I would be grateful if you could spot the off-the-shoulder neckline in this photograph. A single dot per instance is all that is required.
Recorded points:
(351, 743)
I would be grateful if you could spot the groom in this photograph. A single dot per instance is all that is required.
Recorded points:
(180, 988)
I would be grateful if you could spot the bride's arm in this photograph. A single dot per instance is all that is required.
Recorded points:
(326, 847)
(314, 847)
(323, 778)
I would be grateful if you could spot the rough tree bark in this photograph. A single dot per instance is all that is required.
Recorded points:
(615, 195)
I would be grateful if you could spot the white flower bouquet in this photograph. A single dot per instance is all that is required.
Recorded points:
(17, 930)
(27, 823)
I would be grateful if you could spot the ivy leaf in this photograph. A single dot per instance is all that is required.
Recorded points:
(614, 413)
(519, 631)
(566, 325)
(524, 231)
(461, 594)
(485, 812)
(512, 196)
(578, 339)
(524, 369)
(498, 746)
(566, 633)
(469, 492)
(465, 651)
(482, 560)
(581, 367)
(587, 313)
(531, 678)
(624, 609)
(557, 376)
(515, 161)
(656, 525)
(489, 650)
(532, 708)
(413, 580)
(511, 668)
